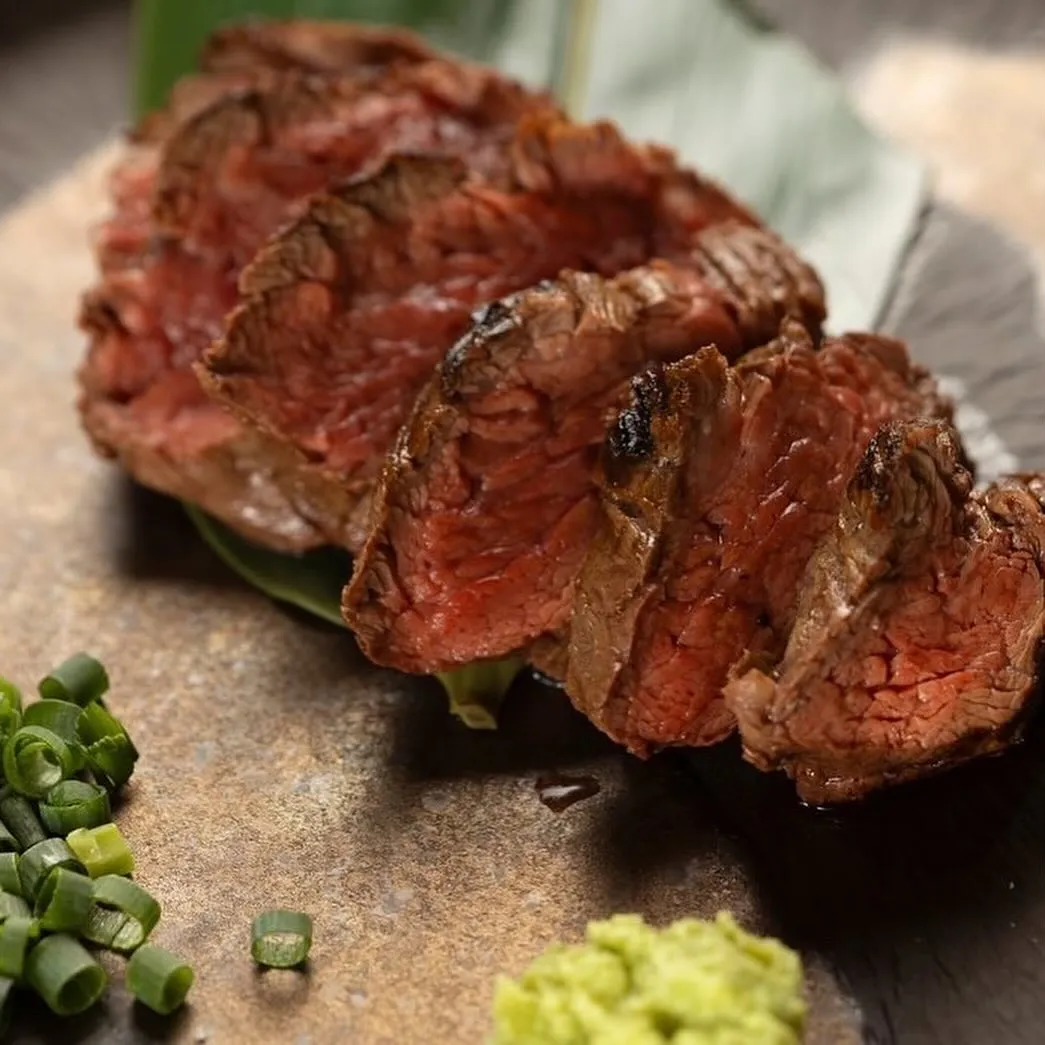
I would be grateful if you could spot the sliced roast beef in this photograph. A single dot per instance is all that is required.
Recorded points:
(348, 311)
(231, 175)
(226, 177)
(716, 489)
(918, 631)
(487, 505)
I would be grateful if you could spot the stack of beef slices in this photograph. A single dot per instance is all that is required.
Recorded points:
(562, 398)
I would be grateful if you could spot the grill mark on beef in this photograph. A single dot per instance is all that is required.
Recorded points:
(749, 491)
(919, 630)
(631, 435)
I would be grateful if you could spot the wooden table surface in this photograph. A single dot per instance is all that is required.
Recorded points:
(932, 911)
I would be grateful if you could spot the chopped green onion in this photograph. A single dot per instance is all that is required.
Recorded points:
(110, 751)
(19, 818)
(281, 939)
(74, 804)
(10, 707)
(64, 974)
(158, 978)
(15, 936)
(9, 880)
(36, 863)
(35, 759)
(13, 906)
(102, 850)
(61, 717)
(64, 900)
(78, 680)
(123, 914)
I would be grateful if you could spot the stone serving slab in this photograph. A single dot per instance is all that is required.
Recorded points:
(279, 768)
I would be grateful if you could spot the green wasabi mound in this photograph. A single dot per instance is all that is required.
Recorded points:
(693, 983)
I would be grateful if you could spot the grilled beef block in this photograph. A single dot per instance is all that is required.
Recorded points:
(487, 504)
(220, 178)
(918, 630)
(717, 485)
(347, 312)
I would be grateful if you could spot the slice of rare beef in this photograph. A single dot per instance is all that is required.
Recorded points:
(239, 168)
(348, 311)
(488, 502)
(918, 630)
(709, 522)
(237, 58)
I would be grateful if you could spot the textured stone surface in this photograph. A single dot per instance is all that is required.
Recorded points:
(280, 769)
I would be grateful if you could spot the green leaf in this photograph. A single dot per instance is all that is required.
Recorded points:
(170, 33)
(312, 581)
(477, 690)
(755, 110)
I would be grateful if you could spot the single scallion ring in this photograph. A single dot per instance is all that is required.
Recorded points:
(64, 901)
(20, 819)
(158, 978)
(79, 680)
(75, 804)
(281, 939)
(16, 935)
(61, 970)
(35, 759)
(36, 863)
(123, 914)
(102, 850)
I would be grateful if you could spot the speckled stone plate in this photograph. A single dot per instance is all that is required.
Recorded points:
(279, 768)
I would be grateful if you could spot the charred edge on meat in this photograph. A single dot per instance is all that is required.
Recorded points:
(631, 437)
(489, 322)
(873, 474)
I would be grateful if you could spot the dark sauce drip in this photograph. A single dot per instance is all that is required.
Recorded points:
(558, 791)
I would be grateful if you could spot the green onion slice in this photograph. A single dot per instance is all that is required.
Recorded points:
(36, 863)
(9, 880)
(123, 914)
(158, 978)
(61, 717)
(15, 936)
(35, 759)
(61, 970)
(281, 939)
(110, 751)
(78, 680)
(64, 900)
(20, 819)
(13, 906)
(74, 804)
(102, 850)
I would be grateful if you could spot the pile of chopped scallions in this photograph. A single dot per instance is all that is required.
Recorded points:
(64, 865)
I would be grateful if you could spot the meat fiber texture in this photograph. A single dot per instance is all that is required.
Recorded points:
(349, 310)
(918, 627)
(488, 503)
(278, 111)
(716, 487)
